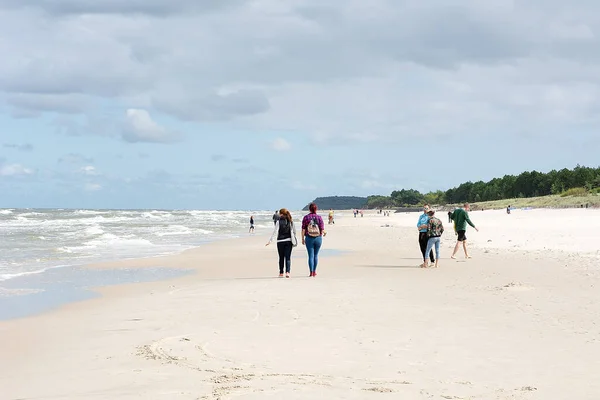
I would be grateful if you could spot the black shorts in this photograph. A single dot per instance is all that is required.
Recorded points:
(461, 236)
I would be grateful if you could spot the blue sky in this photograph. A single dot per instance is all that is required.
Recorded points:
(265, 104)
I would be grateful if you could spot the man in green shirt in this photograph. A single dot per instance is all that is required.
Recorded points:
(460, 216)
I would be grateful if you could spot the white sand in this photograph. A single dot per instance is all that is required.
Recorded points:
(514, 322)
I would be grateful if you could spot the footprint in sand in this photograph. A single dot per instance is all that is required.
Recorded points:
(227, 379)
(516, 287)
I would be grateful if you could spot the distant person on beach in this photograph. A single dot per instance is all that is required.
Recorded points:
(313, 230)
(508, 209)
(275, 217)
(331, 221)
(435, 229)
(422, 227)
(460, 216)
(251, 224)
(286, 239)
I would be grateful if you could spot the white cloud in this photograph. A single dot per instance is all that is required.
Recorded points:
(89, 170)
(378, 71)
(140, 127)
(281, 144)
(92, 187)
(15, 170)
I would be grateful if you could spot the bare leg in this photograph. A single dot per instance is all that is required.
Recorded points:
(455, 250)
(465, 249)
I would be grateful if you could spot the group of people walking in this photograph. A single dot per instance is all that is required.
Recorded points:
(312, 232)
(431, 229)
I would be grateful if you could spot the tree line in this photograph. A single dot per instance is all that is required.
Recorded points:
(579, 180)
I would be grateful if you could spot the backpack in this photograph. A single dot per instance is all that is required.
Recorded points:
(313, 228)
(285, 229)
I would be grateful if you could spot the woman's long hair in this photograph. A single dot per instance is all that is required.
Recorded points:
(285, 213)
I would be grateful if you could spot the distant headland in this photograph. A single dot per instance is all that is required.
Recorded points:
(340, 202)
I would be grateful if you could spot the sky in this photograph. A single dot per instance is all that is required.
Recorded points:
(186, 104)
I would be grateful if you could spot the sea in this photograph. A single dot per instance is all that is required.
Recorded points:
(43, 250)
(35, 240)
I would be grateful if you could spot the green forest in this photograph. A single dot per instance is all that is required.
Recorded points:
(577, 181)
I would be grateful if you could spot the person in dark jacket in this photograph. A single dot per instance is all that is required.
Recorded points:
(251, 224)
(422, 227)
(285, 232)
(435, 229)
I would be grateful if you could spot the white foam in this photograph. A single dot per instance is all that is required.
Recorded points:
(173, 230)
(4, 292)
(30, 214)
(68, 236)
(5, 277)
(89, 212)
(109, 239)
(94, 230)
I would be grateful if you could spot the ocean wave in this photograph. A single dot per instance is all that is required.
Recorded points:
(30, 214)
(6, 277)
(94, 230)
(109, 239)
(54, 237)
(89, 212)
(175, 230)
(4, 292)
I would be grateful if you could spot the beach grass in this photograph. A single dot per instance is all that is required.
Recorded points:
(553, 201)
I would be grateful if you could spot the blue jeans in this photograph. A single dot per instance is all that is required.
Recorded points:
(434, 241)
(313, 245)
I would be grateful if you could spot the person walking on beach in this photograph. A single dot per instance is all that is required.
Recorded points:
(435, 229)
(286, 240)
(251, 224)
(422, 227)
(275, 217)
(313, 230)
(460, 216)
(331, 221)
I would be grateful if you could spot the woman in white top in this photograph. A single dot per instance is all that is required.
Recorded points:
(286, 240)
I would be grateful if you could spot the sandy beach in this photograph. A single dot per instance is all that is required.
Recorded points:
(517, 321)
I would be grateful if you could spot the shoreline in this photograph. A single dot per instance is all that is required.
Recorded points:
(172, 273)
(126, 271)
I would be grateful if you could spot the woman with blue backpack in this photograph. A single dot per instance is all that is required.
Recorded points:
(313, 230)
